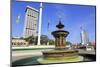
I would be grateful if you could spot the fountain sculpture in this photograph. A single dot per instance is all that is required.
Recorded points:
(60, 54)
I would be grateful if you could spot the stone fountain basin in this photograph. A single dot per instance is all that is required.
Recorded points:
(59, 56)
(60, 53)
(60, 32)
(33, 60)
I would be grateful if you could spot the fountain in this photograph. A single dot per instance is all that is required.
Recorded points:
(61, 53)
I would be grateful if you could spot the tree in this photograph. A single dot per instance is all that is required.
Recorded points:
(36, 40)
(51, 42)
(44, 39)
(30, 39)
(21, 38)
(68, 43)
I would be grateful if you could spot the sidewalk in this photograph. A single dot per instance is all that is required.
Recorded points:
(17, 55)
(34, 46)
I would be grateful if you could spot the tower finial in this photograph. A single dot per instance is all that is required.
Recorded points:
(60, 25)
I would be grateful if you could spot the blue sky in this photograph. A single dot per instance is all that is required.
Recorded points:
(72, 16)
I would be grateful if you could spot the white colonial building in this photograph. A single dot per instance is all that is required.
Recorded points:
(19, 42)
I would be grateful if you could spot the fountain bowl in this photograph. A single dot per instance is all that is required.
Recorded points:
(59, 56)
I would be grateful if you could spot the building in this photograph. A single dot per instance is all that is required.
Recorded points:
(31, 19)
(19, 42)
(84, 37)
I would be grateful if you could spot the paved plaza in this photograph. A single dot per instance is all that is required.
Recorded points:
(22, 54)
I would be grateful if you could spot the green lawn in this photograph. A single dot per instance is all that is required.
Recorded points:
(30, 49)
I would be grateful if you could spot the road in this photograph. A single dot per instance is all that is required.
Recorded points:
(86, 52)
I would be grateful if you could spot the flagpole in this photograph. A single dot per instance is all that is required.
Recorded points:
(40, 22)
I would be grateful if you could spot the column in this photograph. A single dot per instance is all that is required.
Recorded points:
(60, 45)
(40, 22)
(57, 42)
(62, 41)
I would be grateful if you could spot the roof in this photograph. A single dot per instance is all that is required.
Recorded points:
(34, 9)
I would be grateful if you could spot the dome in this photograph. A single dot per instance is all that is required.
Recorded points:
(60, 25)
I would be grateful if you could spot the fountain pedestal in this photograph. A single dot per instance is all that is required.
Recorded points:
(60, 36)
(60, 53)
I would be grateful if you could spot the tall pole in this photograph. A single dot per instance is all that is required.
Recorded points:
(40, 22)
(48, 31)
